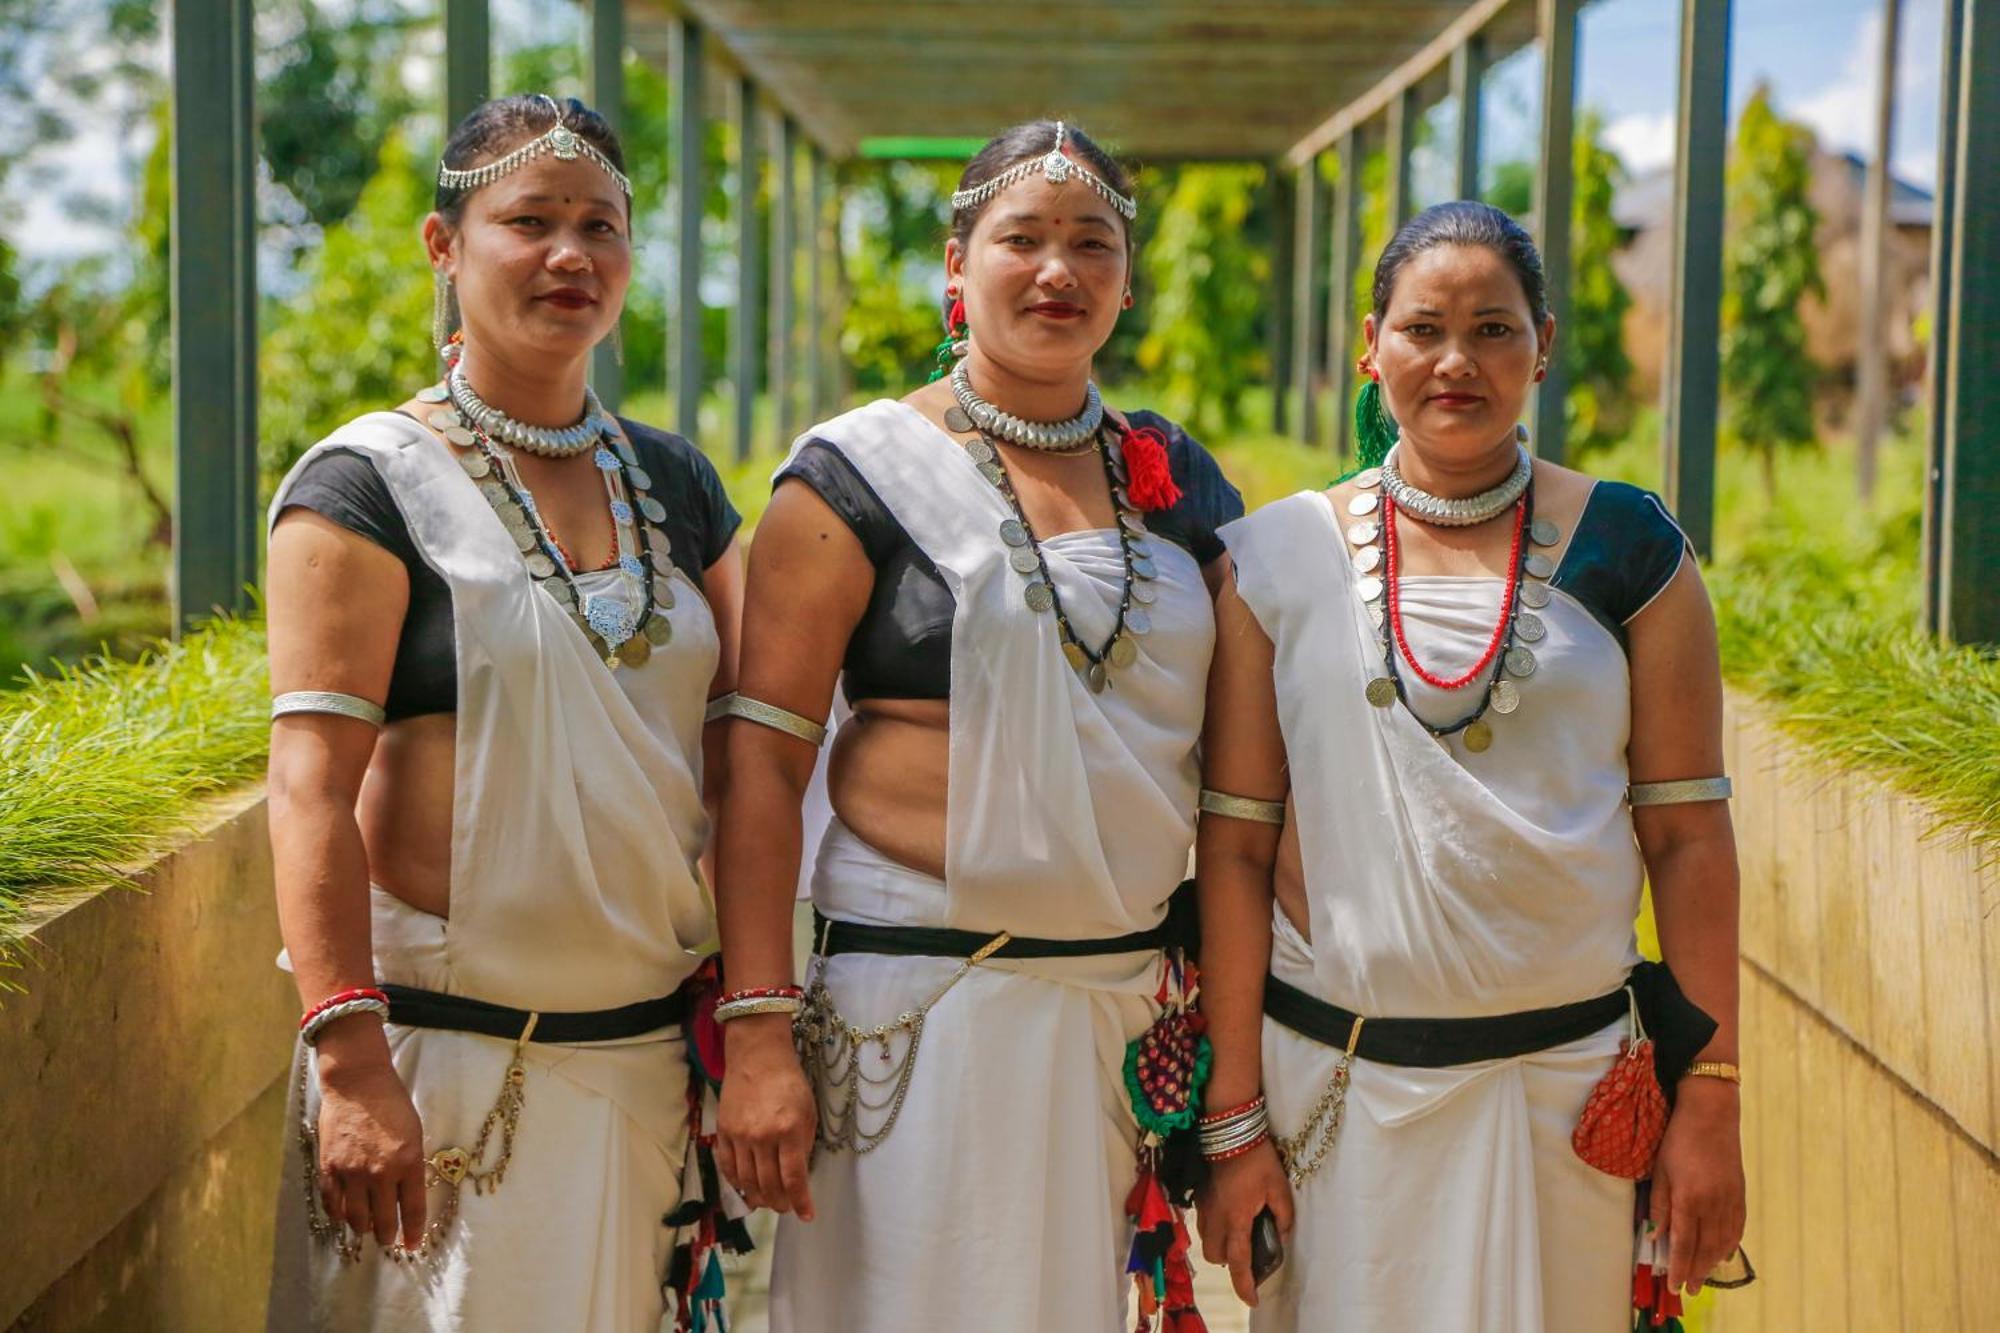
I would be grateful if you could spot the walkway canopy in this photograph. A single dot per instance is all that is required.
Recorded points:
(1283, 81)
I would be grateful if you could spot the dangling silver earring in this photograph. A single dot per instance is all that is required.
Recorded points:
(441, 310)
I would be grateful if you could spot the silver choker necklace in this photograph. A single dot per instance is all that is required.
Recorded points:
(548, 441)
(1047, 436)
(1457, 513)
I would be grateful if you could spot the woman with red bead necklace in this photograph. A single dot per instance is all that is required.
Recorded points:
(1012, 588)
(1463, 705)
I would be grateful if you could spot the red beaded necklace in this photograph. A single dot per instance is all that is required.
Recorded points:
(1478, 668)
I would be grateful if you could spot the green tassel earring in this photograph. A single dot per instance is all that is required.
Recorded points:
(956, 334)
(1374, 429)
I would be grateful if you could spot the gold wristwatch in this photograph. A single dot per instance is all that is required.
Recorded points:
(1721, 1069)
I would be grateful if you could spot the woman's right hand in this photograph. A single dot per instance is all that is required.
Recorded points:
(371, 1140)
(768, 1118)
(1237, 1190)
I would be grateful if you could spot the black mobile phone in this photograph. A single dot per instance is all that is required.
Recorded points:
(1267, 1251)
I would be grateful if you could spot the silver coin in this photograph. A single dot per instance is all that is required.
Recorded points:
(1538, 565)
(956, 420)
(1528, 627)
(1093, 676)
(1369, 587)
(1123, 652)
(1535, 595)
(1544, 532)
(1014, 532)
(1039, 598)
(658, 630)
(1024, 560)
(653, 509)
(540, 565)
(446, 419)
(1132, 523)
(1368, 478)
(1506, 696)
(663, 594)
(461, 437)
(1138, 621)
(1520, 662)
(639, 478)
(979, 451)
(1142, 568)
(991, 471)
(626, 453)
(1143, 594)
(1367, 559)
(475, 465)
(1364, 504)
(1139, 548)
(1364, 532)
(433, 393)
(523, 539)
(1121, 499)
(561, 591)
(1377, 613)
(659, 544)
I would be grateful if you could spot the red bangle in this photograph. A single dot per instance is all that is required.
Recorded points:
(1264, 1137)
(342, 997)
(1234, 1111)
(763, 993)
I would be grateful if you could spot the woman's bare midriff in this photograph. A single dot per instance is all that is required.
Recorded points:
(886, 779)
(405, 811)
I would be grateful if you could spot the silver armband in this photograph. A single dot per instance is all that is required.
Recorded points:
(1241, 807)
(326, 701)
(1679, 793)
(767, 715)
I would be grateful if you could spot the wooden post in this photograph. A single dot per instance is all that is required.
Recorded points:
(1691, 384)
(1340, 349)
(468, 59)
(1871, 370)
(746, 348)
(607, 95)
(784, 276)
(1308, 255)
(1555, 190)
(1401, 130)
(1277, 339)
(213, 290)
(1944, 201)
(685, 71)
(1468, 73)
(815, 282)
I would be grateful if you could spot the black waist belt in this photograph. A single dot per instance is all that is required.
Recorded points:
(414, 1008)
(1434, 1043)
(940, 942)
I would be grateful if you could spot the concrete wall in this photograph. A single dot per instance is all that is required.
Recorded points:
(142, 1069)
(1871, 1032)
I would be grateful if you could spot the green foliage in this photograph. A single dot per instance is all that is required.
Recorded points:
(892, 265)
(1593, 343)
(1210, 285)
(1513, 188)
(358, 337)
(1771, 265)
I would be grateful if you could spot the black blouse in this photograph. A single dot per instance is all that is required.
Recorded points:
(1625, 551)
(901, 649)
(343, 485)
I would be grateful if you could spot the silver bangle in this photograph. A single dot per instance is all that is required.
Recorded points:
(757, 1004)
(1679, 793)
(768, 715)
(326, 701)
(1241, 807)
(366, 1004)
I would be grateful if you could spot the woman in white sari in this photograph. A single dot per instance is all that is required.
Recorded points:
(496, 617)
(1010, 585)
(1448, 693)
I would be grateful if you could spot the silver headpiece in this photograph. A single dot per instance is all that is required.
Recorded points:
(1055, 166)
(560, 139)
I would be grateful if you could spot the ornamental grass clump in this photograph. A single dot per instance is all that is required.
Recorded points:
(101, 764)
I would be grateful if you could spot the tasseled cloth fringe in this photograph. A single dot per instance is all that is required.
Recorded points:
(1151, 480)
(710, 1219)
(1165, 1069)
(1655, 1306)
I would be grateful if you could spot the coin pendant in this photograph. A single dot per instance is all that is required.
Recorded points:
(1142, 567)
(635, 650)
(1520, 662)
(1074, 655)
(1014, 532)
(1039, 598)
(434, 393)
(1381, 691)
(446, 419)
(1367, 559)
(1365, 532)
(1369, 587)
(1544, 532)
(1120, 498)
(979, 451)
(659, 630)
(562, 592)
(1142, 594)
(1535, 595)
(1506, 696)
(540, 565)
(1478, 736)
(1368, 478)
(1528, 627)
(1132, 523)
(653, 509)
(1364, 504)
(1123, 652)
(475, 465)
(1137, 621)
(956, 421)
(663, 592)
(991, 471)
(596, 642)
(1024, 560)
(626, 453)
(1538, 565)
(461, 437)
(1094, 677)
(638, 478)
(1377, 613)
(524, 540)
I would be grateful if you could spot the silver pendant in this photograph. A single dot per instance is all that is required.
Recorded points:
(626, 453)
(1377, 613)
(540, 565)
(1093, 676)
(475, 465)
(1368, 478)
(1365, 532)
(446, 419)
(639, 478)
(1142, 567)
(1544, 532)
(956, 421)
(1014, 532)
(1364, 504)
(659, 544)
(1367, 559)
(524, 540)
(1520, 662)
(1143, 595)
(1132, 523)
(1024, 560)
(663, 595)
(1369, 587)
(979, 451)
(1506, 696)
(435, 393)
(653, 509)
(1535, 595)
(461, 437)
(1137, 621)
(1538, 565)
(1039, 598)
(564, 594)
(1381, 691)
(1528, 627)
(991, 471)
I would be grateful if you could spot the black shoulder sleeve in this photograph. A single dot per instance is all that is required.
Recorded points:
(1208, 500)
(823, 467)
(1625, 551)
(688, 484)
(343, 485)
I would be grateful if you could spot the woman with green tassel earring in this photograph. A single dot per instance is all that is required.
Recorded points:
(1463, 705)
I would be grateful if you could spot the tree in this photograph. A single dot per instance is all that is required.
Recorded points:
(1599, 408)
(1771, 264)
(1210, 280)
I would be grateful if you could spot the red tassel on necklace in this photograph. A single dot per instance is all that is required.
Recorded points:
(1151, 485)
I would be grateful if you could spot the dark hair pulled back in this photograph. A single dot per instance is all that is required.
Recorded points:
(494, 129)
(1020, 143)
(1463, 222)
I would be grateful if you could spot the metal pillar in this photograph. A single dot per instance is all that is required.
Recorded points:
(468, 59)
(214, 311)
(1555, 191)
(746, 345)
(1468, 73)
(1346, 229)
(1944, 203)
(685, 60)
(1308, 255)
(1277, 335)
(1969, 521)
(1401, 130)
(815, 282)
(1691, 384)
(607, 94)
(784, 274)
(1871, 389)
